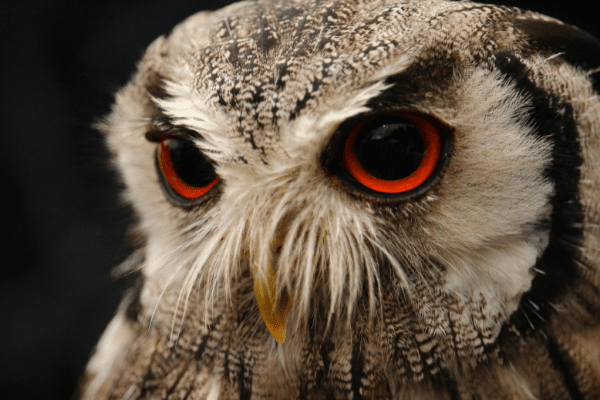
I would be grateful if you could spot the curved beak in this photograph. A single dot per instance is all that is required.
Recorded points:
(272, 309)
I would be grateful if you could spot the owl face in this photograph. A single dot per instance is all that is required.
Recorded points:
(332, 167)
(260, 131)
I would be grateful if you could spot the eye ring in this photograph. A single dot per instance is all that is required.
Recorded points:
(177, 190)
(436, 149)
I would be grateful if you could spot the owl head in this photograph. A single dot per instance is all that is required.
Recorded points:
(319, 165)
(371, 199)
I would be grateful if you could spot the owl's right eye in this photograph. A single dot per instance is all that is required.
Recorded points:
(186, 173)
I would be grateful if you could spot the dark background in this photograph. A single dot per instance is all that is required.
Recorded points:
(61, 225)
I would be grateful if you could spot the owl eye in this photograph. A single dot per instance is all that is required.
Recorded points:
(187, 174)
(393, 154)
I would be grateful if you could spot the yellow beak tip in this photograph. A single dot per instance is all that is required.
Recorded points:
(278, 333)
(273, 310)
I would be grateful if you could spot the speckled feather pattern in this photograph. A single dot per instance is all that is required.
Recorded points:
(484, 287)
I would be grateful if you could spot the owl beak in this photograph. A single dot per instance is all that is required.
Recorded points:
(273, 309)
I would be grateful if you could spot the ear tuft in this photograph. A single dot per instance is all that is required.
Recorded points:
(578, 47)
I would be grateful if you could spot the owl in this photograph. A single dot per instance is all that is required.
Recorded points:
(375, 199)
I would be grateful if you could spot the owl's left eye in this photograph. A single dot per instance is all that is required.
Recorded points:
(395, 154)
(186, 173)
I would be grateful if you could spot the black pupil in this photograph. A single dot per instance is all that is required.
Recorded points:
(190, 164)
(390, 148)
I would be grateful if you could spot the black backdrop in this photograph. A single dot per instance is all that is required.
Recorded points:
(61, 228)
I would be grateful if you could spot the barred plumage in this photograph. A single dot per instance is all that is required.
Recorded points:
(481, 282)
